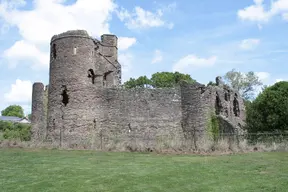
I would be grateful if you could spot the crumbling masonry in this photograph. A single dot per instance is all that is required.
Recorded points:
(85, 102)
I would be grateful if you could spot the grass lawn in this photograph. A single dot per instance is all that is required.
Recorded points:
(61, 171)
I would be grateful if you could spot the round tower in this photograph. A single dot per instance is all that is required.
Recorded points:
(71, 80)
(37, 115)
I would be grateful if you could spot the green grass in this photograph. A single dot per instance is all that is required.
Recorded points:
(61, 171)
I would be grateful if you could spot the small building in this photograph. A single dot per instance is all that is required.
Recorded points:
(14, 119)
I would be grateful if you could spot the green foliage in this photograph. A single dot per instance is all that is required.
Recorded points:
(29, 117)
(141, 82)
(13, 110)
(213, 126)
(211, 83)
(6, 125)
(15, 130)
(159, 80)
(269, 111)
(245, 83)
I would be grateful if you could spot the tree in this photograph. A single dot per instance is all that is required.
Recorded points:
(211, 83)
(159, 80)
(143, 82)
(246, 84)
(269, 111)
(13, 110)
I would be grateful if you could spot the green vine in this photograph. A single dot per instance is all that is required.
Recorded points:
(213, 126)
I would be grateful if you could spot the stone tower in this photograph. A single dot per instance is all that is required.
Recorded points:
(38, 112)
(79, 65)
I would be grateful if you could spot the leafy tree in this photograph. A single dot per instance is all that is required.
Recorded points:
(269, 111)
(29, 117)
(13, 110)
(140, 82)
(159, 80)
(244, 83)
(131, 83)
(211, 83)
(143, 82)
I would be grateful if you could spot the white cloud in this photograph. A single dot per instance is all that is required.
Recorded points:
(249, 44)
(285, 16)
(257, 12)
(192, 61)
(125, 60)
(47, 18)
(20, 92)
(157, 57)
(278, 80)
(143, 19)
(23, 50)
(125, 43)
(263, 76)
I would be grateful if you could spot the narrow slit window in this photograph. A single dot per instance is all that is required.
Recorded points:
(91, 75)
(74, 50)
(65, 96)
(54, 54)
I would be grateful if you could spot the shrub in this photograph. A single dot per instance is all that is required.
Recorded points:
(6, 125)
(15, 130)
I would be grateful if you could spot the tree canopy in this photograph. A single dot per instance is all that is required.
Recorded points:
(159, 80)
(269, 111)
(245, 83)
(13, 110)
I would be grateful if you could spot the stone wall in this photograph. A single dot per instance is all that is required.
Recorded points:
(112, 112)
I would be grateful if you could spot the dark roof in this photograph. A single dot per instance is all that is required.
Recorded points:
(10, 118)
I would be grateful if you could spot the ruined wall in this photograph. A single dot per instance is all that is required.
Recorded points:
(107, 68)
(143, 114)
(110, 112)
(200, 104)
(228, 106)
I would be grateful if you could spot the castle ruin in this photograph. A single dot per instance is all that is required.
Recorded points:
(85, 100)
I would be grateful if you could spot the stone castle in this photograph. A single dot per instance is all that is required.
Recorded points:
(85, 99)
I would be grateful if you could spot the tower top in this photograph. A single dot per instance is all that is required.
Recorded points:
(80, 33)
(71, 33)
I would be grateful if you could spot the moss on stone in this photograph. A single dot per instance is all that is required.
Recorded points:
(213, 126)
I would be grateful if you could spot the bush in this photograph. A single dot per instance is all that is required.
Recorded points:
(6, 125)
(15, 130)
(269, 111)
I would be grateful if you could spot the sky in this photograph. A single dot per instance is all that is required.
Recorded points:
(202, 38)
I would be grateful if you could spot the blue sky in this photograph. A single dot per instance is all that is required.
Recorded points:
(202, 38)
